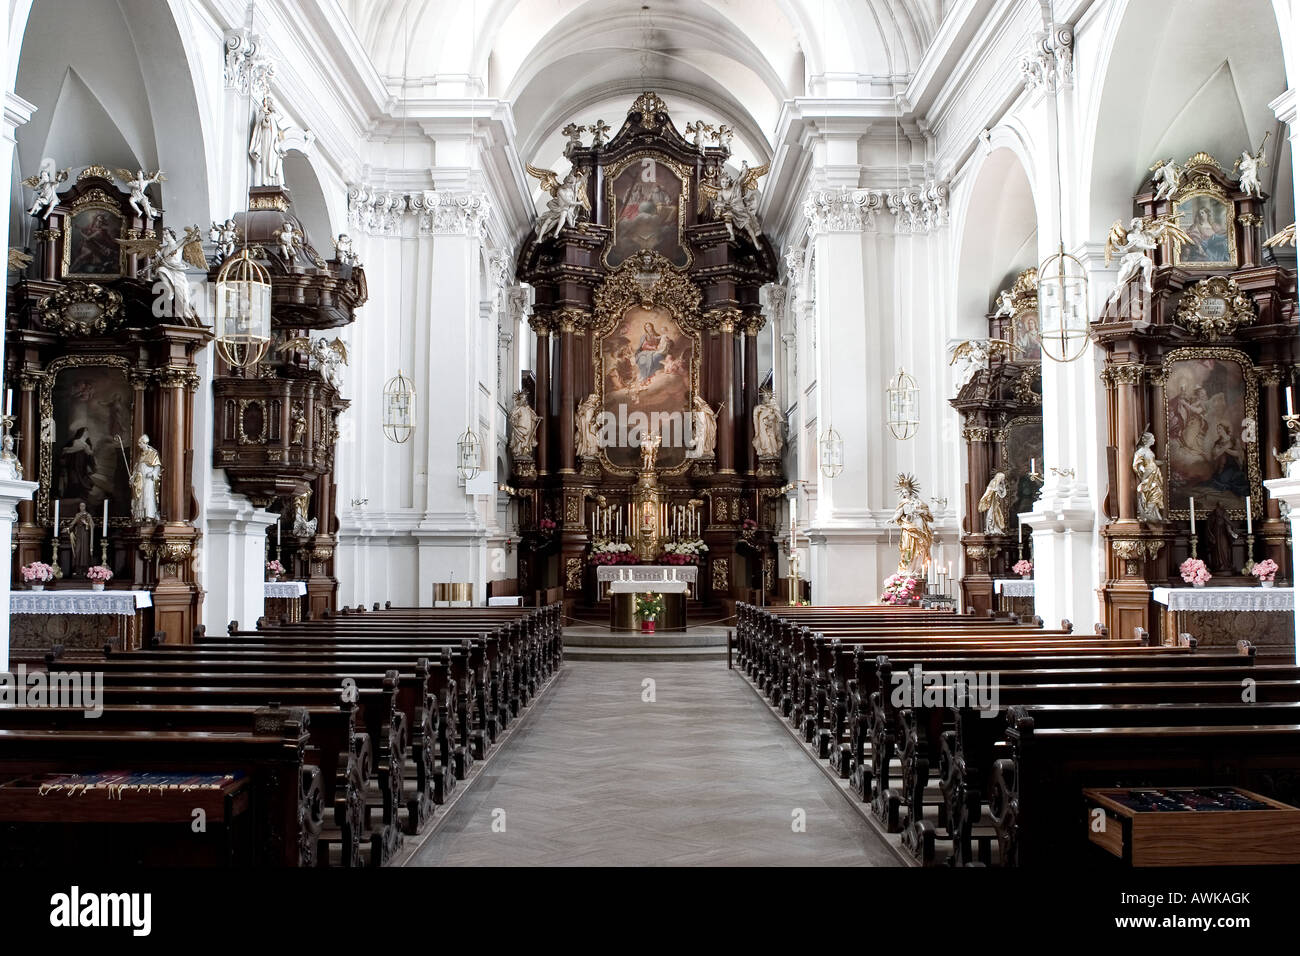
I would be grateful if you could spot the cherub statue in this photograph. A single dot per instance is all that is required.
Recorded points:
(974, 355)
(46, 183)
(567, 196)
(914, 520)
(289, 240)
(599, 133)
(1168, 176)
(169, 262)
(649, 450)
(994, 505)
(1150, 484)
(723, 136)
(328, 357)
(138, 182)
(1250, 163)
(735, 199)
(698, 131)
(523, 427)
(1006, 304)
(1136, 243)
(225, 236)
(344, 252)
(574, 132)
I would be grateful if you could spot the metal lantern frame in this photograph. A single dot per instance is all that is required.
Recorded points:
(399, 408)
(903, 406)
(1063, 312)
(243, 310)
(469, 459)
(831, 447)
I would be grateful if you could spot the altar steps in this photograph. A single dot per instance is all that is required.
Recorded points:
(598, 643)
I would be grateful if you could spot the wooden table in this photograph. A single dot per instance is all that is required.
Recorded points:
(1179, 602)
(71, 604)
(284, 599)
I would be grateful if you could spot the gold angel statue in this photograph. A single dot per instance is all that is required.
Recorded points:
(568, 195)
(734, 199)
(914, 520)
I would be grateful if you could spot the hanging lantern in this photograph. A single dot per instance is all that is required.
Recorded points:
(903, 403)
(399, 408)
(467, 456)
(832, 453)
(1062, 307)
(243, 311)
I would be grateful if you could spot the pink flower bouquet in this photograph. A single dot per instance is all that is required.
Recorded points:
(274, 568)
(900, 589)
(1266, 570)
(1194, 571)
(99, 573)
(38, 572)
(1023, 568)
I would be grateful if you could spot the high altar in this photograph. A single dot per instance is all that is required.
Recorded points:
(641, 434)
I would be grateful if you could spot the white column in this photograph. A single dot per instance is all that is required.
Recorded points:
(17, 112)
(1285, 108)
(234, 556)
(1287, 492)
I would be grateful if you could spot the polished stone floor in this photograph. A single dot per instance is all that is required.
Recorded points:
(703, 775)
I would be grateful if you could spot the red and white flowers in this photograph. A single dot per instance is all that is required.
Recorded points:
(612, 552)
(1265, 570)
(1194, 571)
(38, 572)
(900, 588)
(1023, 568)
(683, 552)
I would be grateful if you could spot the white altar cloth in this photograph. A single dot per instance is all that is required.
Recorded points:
(284, 589)
(647, 573)
(649, 587)
(66, 601)
(1225, 599)
(1013, 587)
(506, 600)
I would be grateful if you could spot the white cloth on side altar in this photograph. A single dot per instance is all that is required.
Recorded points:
(1225, 599)
(284, 589)
(67, 601)
(1013, 587)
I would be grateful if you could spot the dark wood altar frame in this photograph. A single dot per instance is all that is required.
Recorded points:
(1143, 335)
(579, 298)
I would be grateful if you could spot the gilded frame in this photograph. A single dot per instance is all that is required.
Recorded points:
(50, 374)
(95, 199)
(1203, 186)
(1250, 377)
(615, 170)
(624, 289)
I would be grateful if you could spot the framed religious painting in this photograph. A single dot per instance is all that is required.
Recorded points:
(1206, 214)
(648, 368)
(647, 196)
(1023, 447)
(86, 436)
(1209, 393)
(90, 243)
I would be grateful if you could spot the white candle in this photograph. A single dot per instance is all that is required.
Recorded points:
(1192, 513)
(1032, 463)
(9, 402)
(1249, 529)
(103, 528)
(593, 524)
(1290, 407)
(56, 518)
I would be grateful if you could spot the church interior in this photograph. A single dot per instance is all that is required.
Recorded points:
(876, 416)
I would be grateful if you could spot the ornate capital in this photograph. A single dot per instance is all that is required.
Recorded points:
(452, 214)
(375, 211)
(541, 323)
(724, 320)
(976, 433)
(248, 68)
(1270, 375)
(1130, 373)
(919, 209)
(573, 319)
(842, 211)
(1049, 65)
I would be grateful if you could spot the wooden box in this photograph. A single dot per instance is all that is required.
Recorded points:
(1194, 837)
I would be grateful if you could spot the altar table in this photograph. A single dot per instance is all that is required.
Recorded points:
(1236, 615)
(108, 610)
(624, 582)
(1015, 594)
(283, 599)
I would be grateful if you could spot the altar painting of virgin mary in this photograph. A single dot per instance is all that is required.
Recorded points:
(646, 365)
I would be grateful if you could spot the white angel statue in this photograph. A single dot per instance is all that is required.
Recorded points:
(699, 131)
(567, 196)
(225, 236)
(46, 183)
(974, 355)
(138, 182)
(1250, 164)
(1168, 176)
(344, 252)
(169, 265)
(327, 356)
(735, 199)
(1136, 243)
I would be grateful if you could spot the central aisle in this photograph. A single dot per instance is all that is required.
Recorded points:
(702, 776)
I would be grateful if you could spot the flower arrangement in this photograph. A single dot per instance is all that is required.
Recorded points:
(1265, 570)
(274, 568)
(100, 573)
(1194, 572)
(1023, 568)
(749, 524)
(683, 552)
(900, 588)
(612, 552)
(546, 524)
(649, 606)
(38, 572)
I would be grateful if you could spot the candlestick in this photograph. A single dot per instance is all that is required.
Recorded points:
(103, 550)
(1250, 551)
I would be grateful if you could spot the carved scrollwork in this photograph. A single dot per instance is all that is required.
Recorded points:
(1214, 307)
(80, 308)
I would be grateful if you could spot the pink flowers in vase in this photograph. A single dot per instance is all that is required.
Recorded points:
(1266, 571)
(1023, 568)
(900, 589)
(100, 574)
(546, 524)
(274, 568)
(38, 572)
(1195, 572)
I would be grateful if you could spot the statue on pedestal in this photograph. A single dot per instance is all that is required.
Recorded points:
(994, 505)
(146, 476)
(81, 529)
(914, 518)
(303, 527)
(523, 427)
(1150, 483)
(1219, 537)
(586, 441)
(649, 451)
(767, 427)
(704, 422)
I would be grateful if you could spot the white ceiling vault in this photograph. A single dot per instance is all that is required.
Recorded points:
(732, 61)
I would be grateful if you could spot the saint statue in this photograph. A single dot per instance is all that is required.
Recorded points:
(146, 476)
(767, 427)
(1150, 486)
(586, 441)
(303, 527)
(994, 505)
(913, 518)
(81, 529)
(523, 427)
(649, 451)
(272, 138)
(704, 422)
(1218, 538)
